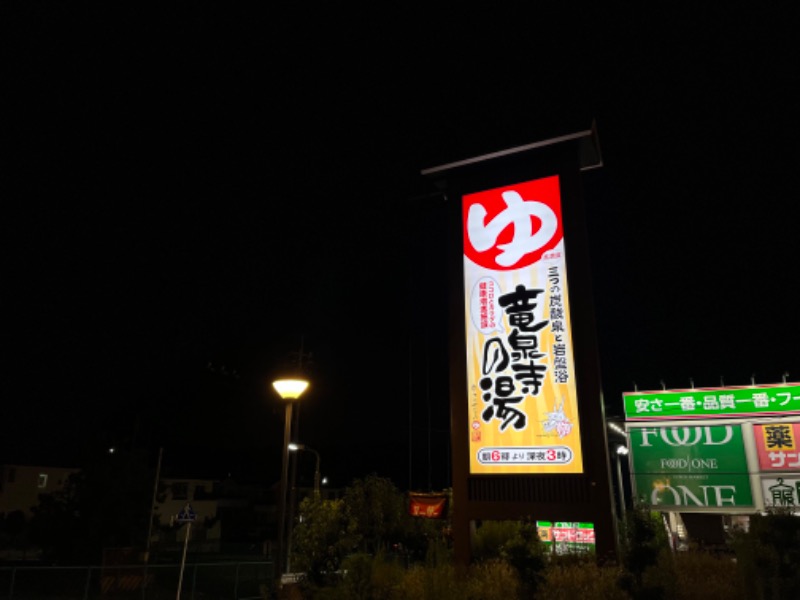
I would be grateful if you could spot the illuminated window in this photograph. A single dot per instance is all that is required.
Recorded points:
(42, 480)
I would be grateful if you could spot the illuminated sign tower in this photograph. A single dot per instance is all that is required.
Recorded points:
(528, 430)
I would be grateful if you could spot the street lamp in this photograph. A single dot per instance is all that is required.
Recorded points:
(289, 390)
(295, 448)
(616, 428)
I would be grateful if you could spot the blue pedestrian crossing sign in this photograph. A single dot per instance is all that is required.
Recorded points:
(187, 515)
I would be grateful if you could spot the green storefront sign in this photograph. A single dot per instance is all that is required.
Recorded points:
(713, 402)
(690, 466)
(567, 537)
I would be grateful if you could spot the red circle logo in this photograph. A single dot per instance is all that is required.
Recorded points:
(512, 227)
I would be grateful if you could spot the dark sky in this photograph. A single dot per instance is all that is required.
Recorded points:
(193, 192)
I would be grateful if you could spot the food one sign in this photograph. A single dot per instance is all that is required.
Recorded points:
(523, 413)
(690, 466)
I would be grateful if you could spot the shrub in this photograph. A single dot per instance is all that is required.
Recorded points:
(566, 580)
(769, 556)
(370, 578)
(525, 552)
(695, 575)
(438, 582)
(517, 544)
(357, 582)
(490, 538)
(492, 580)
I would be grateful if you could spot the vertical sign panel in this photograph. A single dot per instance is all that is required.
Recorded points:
(690, 466)
(522, 402)
(778, 446)
(782, 492)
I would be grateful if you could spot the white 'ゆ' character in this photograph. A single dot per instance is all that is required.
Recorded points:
(483, 236)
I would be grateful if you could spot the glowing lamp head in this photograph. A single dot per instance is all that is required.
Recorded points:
(290, 389)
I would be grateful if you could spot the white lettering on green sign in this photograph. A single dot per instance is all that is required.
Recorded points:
(779, 399)
(712, 495)
(687, 436)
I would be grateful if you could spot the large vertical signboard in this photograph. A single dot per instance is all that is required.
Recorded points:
(690, 467)
(524, 349)
(522, 401)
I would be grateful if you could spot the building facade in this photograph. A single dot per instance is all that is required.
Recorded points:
(21, 486)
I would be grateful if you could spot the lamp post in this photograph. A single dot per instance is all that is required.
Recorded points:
(289, 390)
(620, 450)
(618, 454)
(295, 448)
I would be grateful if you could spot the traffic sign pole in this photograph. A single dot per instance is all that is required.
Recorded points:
(183, 560)
(188, 516)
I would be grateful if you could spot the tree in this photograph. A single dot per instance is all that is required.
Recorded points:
(372, 519)
(377, 512)
(322, 539)
(106, 504)
(13, 530)
(644, 541)
(515, 542)
(14, 524)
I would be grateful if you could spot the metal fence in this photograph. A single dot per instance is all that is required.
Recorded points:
(201, 581)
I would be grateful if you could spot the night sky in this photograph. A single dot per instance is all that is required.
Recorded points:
(194, 193)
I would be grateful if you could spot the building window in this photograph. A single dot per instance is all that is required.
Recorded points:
(180, 491)
(42, 480)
